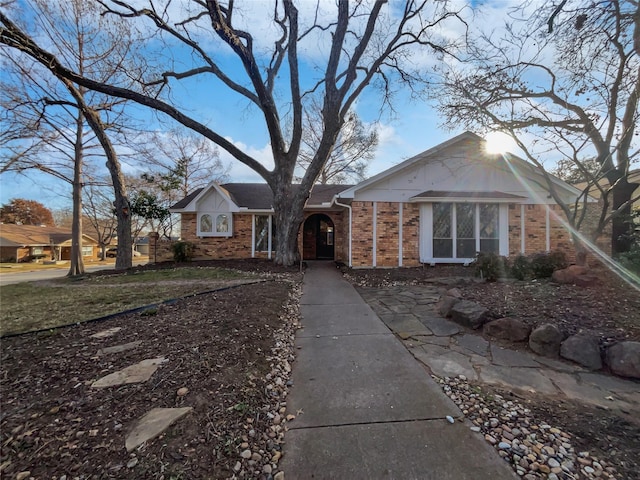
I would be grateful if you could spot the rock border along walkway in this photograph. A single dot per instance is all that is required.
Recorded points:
(456, 356)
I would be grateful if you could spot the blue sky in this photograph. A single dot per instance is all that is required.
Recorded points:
(412, 129)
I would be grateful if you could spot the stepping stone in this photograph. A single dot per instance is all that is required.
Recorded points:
(106, 333)
(474, 343)
(138, 373)
(401, 323)
(439, 326)
(511, 358)
(119, 348)
(524, 379)
(152, 424)
(452, 364)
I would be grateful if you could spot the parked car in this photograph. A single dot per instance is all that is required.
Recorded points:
(113, 252)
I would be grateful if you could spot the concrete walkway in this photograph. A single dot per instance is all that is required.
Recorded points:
(366, 409)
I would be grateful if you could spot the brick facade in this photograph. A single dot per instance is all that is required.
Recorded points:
(387, 233)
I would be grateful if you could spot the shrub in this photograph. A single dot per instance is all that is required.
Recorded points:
(631, 259)
(183, 251)
(521, 268)
(490, 266)
(544, 264)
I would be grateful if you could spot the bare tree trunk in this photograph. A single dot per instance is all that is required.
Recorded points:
(621, 228)
(77, 265)
(289, 215)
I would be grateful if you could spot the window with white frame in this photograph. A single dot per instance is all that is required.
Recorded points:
(213, 224)
(460, 230)
(87, 251)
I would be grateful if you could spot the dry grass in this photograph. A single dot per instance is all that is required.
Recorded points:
(40, 305)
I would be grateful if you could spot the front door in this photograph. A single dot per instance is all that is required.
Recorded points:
(319, 237)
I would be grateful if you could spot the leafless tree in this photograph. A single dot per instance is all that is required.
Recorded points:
(354, 148)
(366, 43)
(563, 80)
(99, 214)
(59, 126)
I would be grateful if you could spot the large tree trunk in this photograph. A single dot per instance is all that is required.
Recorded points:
(288, 203)
(621, 226)
(77, 265)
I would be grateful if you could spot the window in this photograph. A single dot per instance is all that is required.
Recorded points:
(261, 239)
(87, 251)
(206, 224)
(214, 224)
(460, 230)
(222, 223)
(37, 251)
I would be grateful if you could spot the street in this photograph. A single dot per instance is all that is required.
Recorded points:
(7, 278)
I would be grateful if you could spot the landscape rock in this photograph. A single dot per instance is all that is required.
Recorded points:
(545, 340)
(454, 292)
(469, 314)
(575, 275)
(624, 359)
(445, 304)
(582, 349)
(508, 328)
(152, 424)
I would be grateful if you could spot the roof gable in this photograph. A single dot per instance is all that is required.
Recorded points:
(457, 167)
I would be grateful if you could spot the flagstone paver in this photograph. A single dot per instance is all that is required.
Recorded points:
(119, 348)
(137, 373)
(106, 333)
(152, 424)
(449, 349)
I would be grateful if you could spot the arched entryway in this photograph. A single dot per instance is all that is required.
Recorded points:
(318, 238)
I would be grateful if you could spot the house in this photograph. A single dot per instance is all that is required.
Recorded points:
(26, 243)
(441, 206)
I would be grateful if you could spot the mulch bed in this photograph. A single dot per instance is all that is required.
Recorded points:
(218, 346)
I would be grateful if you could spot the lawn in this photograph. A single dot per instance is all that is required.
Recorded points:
(47, 304)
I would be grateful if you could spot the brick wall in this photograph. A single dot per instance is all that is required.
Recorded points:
(387, 234)
(362, 234)
(411, 235)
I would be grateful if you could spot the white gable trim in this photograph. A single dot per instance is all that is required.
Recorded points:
(192, 207)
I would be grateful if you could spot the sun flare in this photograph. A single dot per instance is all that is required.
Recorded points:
(498, 142)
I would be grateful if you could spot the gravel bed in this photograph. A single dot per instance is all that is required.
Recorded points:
(533, 448)
(261, 448)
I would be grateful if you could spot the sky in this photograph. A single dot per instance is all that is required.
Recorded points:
(414, 126)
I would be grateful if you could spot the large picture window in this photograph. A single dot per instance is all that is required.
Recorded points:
(460, 230)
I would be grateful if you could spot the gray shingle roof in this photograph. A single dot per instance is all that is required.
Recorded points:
(258, 196)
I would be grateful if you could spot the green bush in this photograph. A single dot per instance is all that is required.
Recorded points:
(183, 251)
(521, 268)
(544, 264)
(631, 259)
(490, 266)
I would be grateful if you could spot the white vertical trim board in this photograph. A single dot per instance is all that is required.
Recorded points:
(269, 242)
(547, 228)
(253, 235)
(503, 229)
(374, 224)
(400, 205)
(523, 230)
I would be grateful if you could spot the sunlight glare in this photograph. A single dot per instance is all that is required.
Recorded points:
(498, 142)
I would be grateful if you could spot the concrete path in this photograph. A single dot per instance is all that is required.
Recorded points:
(366, 409)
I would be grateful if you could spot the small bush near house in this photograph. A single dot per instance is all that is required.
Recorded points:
(521, 268)
(490, 266)
(183, 251)
(544, 264)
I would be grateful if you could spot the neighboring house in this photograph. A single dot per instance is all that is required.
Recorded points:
(441, 206)
(27, 243)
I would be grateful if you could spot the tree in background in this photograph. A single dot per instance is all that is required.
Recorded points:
(26, 212)
(354, 148)
(561, 79)
(40, 107)
(361, 43)
(100, 216)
